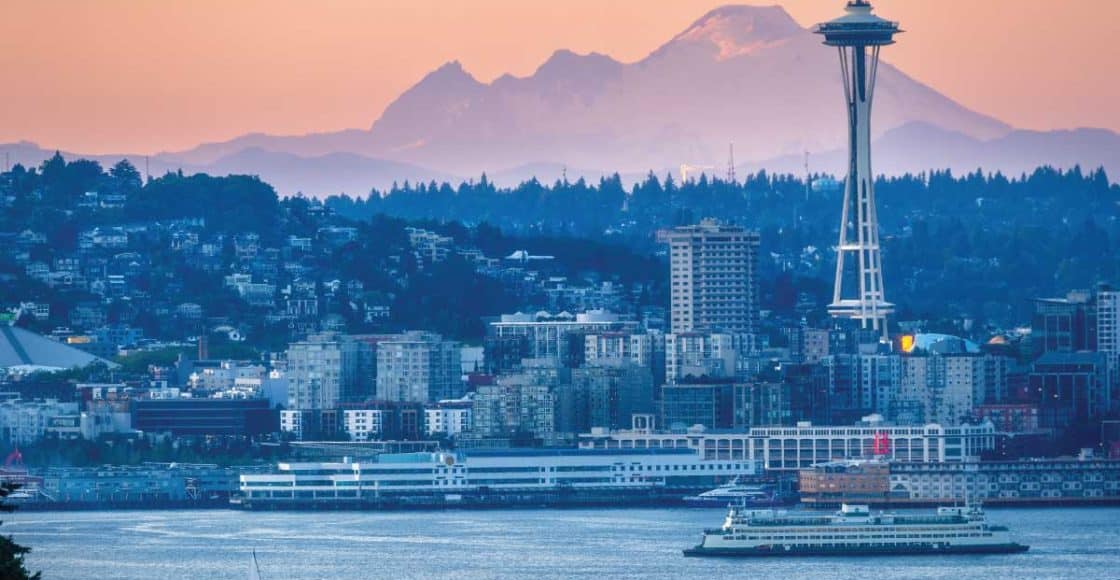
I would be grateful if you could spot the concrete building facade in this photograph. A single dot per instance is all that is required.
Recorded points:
(418, 367)
(713, 278)
(323, 371)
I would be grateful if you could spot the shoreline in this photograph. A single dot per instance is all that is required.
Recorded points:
(506, 503)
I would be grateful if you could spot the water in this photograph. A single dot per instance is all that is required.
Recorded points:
(542, 544)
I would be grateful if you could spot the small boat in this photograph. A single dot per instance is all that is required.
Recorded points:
(737, 493)
(254, 568)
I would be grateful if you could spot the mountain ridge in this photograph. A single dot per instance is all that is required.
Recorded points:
(750, 75)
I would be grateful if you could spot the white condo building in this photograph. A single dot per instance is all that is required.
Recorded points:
(700, 354)
(548, 335)
(1108, 321)
(637, 348)
(226, 376)
(24, 422)
(945, 389)
(321, 371)
(363, 424)
(448, 418)
(713, 278)
(418, 367)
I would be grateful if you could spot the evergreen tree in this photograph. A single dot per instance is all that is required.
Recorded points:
(11, 554)
(125, 177)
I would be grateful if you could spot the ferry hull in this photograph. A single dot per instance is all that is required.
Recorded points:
(697, 501)
(495, 499)
(700, 551)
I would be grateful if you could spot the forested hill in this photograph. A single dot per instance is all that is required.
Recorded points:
(92, 248)
(975, 244)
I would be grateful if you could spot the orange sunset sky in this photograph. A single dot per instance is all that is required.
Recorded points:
(145, 76)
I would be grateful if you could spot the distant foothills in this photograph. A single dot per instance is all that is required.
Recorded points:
(745, 75)
(968, 250)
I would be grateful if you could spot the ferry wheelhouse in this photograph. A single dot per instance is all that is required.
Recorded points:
(855, 530)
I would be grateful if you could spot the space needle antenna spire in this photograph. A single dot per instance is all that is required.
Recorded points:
(858, 293)
(731, 162)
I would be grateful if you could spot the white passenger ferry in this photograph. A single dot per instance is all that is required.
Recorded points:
(855, 530)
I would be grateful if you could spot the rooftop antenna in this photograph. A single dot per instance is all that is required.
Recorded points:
(564, 174)
(731, 162)
(807, 179)
(147, 170)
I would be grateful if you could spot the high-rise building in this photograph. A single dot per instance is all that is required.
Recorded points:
(963, 389)
(1107, 335)
(696, 354)
(710, 404)
(765, 404)
(915, 401)
(948, 388)
(808, 391)
(808, 345)
(418, 367)
(1108, 321)
(503, 354)
(323, 371)
(861, 384)
(636, 348)
(1065, 324)
(880, 376)
(1071, 388)
(858, 294)
(713, 278)
(609, 394)
(559, 337)
(845, 404)
(645, 349)
(520, 404)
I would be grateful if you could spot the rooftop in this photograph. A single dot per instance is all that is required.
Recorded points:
(23, 349)
(858, 27)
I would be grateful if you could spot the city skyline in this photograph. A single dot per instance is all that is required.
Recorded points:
(645, 274)
(171, 77)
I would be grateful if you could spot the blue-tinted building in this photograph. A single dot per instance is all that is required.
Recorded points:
(204, 416)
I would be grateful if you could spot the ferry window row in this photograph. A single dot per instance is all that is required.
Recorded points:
(700, 467)
(869, 530)
(868, 537)
(509, 481)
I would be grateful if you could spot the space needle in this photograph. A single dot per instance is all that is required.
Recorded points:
(859, 295)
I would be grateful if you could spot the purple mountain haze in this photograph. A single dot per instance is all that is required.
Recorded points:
(743, 74)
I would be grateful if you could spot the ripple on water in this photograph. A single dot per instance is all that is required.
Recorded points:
(467, 545)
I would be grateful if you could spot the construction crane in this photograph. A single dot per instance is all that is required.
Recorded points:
(687, 170)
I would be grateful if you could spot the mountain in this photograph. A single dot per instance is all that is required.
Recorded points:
(748, 75)
(288, 173)
(344, 172)
(744, 74)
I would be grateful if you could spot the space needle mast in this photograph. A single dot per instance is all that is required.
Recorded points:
(858, 294)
